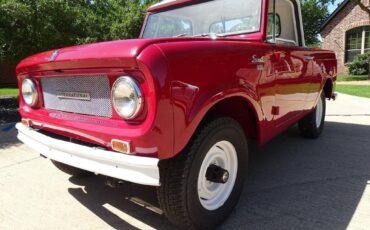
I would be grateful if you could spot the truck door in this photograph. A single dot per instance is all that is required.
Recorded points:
(291, 68)
(291, 84)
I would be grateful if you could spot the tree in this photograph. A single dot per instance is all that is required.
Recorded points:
(314, 13)
(114, 19)
(31, 26)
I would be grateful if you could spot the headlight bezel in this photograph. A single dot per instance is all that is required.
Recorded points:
(138, 97)
(34, 95)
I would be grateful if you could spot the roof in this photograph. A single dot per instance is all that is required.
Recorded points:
(336, 11)
(162, 3)
(165, 4)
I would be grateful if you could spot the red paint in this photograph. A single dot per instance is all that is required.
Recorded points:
(182, 79)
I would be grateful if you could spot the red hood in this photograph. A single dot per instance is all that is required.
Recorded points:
(113, 54)
(120, 53)
(98, 55)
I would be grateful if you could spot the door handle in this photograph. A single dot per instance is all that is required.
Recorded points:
(308, 58)
(257, 60)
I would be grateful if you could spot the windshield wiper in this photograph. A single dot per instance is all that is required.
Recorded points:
(180, 35)
(211, 35)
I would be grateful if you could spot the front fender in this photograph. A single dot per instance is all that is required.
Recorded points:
(153, 64)
(199, 75)
(191, 107)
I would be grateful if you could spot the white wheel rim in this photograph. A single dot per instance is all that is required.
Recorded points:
(214, 195)
(319, 111)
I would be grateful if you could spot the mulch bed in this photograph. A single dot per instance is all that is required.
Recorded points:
(9, 110)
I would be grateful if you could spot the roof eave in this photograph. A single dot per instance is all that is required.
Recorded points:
(336, 11)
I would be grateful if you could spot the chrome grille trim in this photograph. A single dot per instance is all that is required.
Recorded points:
(74, 89)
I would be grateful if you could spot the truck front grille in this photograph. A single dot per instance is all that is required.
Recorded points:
(88, 95)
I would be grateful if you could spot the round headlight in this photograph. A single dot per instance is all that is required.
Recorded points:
(29, 92)
(127, 98)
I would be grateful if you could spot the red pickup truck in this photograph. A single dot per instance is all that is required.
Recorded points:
(176, 108)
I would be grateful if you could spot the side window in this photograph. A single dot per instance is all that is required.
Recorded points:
(286, 22)
(165, 26)
(357, 42)
(270, 28)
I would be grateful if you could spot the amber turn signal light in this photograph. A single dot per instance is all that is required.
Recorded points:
(25, 122)
(121, 146)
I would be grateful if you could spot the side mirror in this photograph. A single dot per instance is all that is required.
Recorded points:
(270, 25)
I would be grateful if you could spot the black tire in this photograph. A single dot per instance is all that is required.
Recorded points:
(308, 126)
(178, 193)
(76, 172)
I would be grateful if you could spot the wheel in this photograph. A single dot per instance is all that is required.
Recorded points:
(201, 186)
(311, 126)
(72, 170)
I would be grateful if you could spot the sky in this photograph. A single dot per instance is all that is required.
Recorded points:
(332, 7)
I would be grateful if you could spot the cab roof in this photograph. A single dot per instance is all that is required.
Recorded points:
(165, 4)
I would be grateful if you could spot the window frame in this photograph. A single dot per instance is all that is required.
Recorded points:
(279, 20)
(364, 31)
(149, 14)
(298, 30)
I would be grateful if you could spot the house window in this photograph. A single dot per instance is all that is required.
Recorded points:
(357, 42)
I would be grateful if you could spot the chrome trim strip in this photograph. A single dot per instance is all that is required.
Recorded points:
(74, 95)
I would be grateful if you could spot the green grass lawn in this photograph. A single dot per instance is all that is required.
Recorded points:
(356, 90)
(9, 92)
(352, 77)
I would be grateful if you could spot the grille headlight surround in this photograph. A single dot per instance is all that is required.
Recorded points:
(127, 97)
(29, 92)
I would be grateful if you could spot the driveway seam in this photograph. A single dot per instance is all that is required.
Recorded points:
(18, 163)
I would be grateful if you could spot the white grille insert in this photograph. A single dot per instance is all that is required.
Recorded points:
(88, 95)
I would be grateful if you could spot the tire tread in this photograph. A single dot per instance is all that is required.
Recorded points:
(174, 172)
(307, 125)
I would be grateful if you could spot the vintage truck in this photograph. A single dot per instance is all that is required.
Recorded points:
(176, 108)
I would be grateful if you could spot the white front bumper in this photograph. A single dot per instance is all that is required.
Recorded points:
(140, 170)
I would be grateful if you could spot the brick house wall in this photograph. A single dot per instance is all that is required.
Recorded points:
(7, 74)
(334, 33)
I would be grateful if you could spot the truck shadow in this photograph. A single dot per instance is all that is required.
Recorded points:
(130, 206)
(292, 183)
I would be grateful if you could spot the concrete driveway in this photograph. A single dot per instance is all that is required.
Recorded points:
(292, 183)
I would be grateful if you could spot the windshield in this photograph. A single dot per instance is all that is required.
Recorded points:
(220, 17)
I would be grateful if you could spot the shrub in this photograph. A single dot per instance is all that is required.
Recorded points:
(360, 64)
